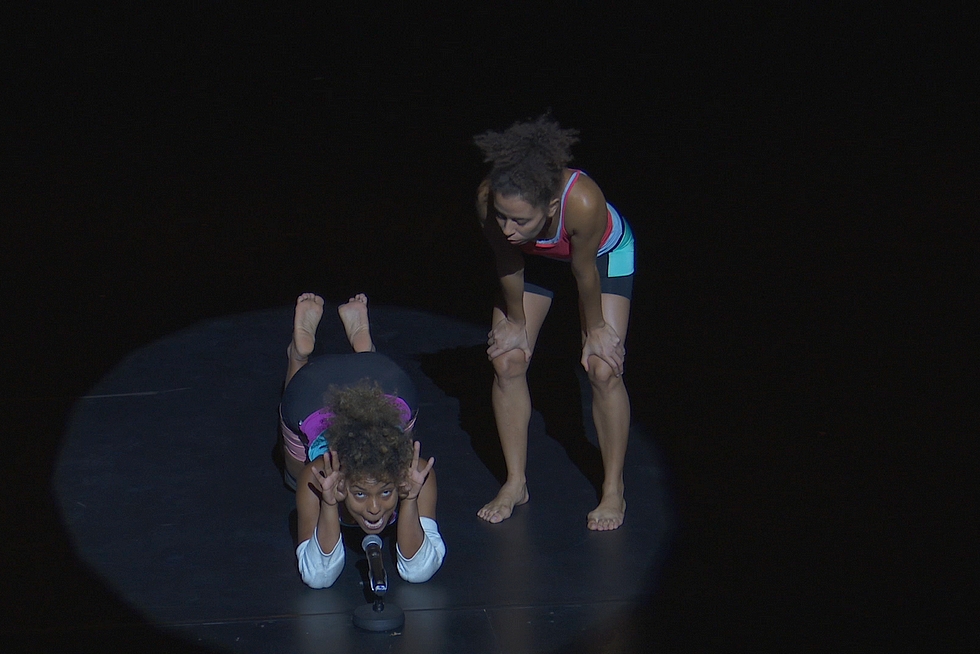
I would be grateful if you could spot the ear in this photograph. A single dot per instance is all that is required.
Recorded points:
(553, 207)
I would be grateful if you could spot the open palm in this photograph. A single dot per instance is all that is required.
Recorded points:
(415, 478)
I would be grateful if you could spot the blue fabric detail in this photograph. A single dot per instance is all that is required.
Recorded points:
(621, 259)
(318, 447)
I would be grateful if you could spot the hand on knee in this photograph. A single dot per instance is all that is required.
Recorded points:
(601, 373)
(510, 364)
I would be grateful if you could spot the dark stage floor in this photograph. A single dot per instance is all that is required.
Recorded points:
(802, 347)
(190, 524)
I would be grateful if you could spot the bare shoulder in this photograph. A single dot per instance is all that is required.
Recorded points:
(585, 205)
(482, 191)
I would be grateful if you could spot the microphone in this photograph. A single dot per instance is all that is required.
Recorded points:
(376, 567)
(377, 616)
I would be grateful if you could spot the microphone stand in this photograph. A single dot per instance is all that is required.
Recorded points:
(377, 616)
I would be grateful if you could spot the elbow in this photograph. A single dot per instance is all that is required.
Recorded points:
(419, 574)
(585, 273)
(425, 562)
(416, 578)
(317, 581)
(316, 569)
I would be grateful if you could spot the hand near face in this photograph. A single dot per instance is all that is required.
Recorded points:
(329, 480)
(410, 488)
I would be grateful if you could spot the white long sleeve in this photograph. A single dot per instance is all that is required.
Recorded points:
(317, 569)
(428, 559)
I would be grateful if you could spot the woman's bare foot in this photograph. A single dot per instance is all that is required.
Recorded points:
(354, 315)
(309, 310)
(609, 514)
(502, 506)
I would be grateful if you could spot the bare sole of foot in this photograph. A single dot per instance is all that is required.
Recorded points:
(502, 506)
(609, 515)
(354, 315)
(309, 310)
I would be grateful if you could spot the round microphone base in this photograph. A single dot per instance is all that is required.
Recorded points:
(389, 618)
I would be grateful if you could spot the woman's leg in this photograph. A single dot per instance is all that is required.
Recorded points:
(512, 411)
(354, 315)
(611, 414)
(306, 319)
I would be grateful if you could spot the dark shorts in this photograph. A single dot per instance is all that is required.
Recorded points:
(305, 391)
(543, 275)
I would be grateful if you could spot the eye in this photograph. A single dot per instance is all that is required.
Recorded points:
(359, 495)
(386, 493)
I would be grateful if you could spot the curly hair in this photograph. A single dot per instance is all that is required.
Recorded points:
(528, 158)
(367, 434)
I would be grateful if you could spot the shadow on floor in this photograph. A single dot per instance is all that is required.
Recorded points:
(464, 374)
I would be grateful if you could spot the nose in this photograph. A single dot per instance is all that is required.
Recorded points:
(510, 228)
(374, 506)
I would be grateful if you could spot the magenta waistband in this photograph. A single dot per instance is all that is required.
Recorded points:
(318, 421)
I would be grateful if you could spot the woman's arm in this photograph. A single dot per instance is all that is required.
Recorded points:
(320, 552)
(417, 498)
(585, 220)
(510, 333)
(420, 547)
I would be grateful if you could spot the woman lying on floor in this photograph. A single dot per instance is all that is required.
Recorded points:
(347, 424)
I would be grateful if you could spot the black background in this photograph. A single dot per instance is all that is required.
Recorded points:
(802, 184)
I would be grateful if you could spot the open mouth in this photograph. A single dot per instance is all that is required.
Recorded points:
(378, 524)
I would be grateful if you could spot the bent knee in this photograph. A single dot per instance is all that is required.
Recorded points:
(510, 364)
(601, 373)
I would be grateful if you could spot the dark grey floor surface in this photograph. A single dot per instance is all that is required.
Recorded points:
(169, 489)
(802, 185)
